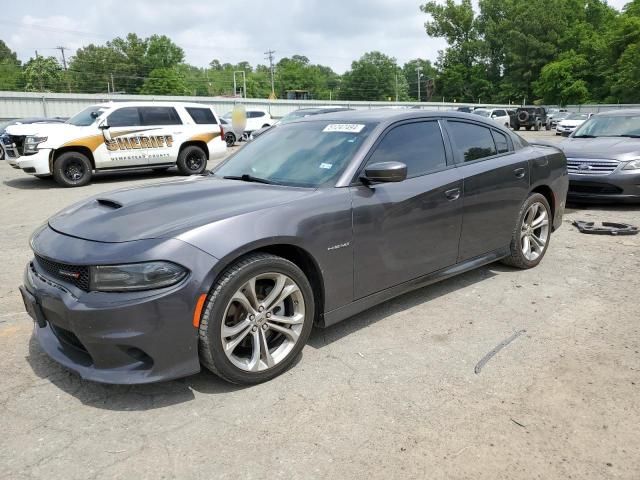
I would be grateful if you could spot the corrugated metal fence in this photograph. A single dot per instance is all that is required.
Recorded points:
(30, 104)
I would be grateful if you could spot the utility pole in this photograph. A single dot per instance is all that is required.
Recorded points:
(419, 70)
(269, 56)
(244, 83)
(64, 59)
(396, 87)
(113, 86)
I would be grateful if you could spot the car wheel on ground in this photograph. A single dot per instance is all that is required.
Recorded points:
(516, 127)
(257, 318)
(531, 235)
(72, 169)
(192, 160)
(528, 127)
(230, 138)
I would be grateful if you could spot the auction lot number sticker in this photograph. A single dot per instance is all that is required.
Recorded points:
(344, 127)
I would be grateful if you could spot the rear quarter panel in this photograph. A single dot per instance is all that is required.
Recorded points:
(549, 168)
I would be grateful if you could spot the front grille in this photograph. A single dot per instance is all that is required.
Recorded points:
(18, 141)
(77, 275)
(591, 166)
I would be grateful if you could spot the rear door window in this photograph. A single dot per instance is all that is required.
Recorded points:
(159, 116)
(202, 116)
(501, 141)
(124, 117)
(471, 141)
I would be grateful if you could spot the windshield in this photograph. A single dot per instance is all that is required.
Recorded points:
(86, 117)
(482, 113)
(305, 154)
(611, 126)
(290, 117)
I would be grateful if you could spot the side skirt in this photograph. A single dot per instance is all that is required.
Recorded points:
(362, 304)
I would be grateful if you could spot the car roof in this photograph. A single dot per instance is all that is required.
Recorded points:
(620, 112)
(152, 104)
(390, 116)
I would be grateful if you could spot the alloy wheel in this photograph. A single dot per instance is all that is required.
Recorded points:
(74, 170)
(263, 322)
(194, 161)
(534, 233)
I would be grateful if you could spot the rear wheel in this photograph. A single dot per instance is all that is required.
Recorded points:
(72, 169)
(192, 160)
(531, 235)
(256, 320)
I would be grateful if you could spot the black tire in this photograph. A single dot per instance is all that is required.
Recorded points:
(516, 257)
(72, 169)
(547, 127)
(192, 160)
(210, 348)
(230, 138)
(528, 127)
(516, 127)
(160, 169)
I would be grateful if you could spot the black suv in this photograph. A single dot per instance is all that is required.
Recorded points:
(529, 117)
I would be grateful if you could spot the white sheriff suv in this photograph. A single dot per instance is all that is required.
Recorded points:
(118, 136)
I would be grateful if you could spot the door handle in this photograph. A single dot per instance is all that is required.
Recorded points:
(520, 172)
(452, 194)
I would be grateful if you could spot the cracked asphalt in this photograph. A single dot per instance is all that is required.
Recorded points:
(390, 393)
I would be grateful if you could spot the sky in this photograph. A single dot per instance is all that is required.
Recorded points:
(328, 32)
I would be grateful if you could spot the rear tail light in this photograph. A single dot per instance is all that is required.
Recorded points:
(221, 133)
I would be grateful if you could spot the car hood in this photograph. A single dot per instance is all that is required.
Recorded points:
(42, 129)
(616, 148)
(167, 209)
(571, 123)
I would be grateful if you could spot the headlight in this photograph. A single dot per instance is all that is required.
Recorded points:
(136, 276)
(632, 165)
(31, 143)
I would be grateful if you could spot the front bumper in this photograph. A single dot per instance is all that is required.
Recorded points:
(36, 164)
(560, 130)
(119, 337)
(619, 186)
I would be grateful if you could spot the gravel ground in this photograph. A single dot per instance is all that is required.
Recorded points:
(391, 393)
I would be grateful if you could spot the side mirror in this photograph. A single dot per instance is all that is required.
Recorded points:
(385, 172)
(493, 115)
(104, 126)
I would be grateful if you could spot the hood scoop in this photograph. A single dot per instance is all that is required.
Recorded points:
(106, 202)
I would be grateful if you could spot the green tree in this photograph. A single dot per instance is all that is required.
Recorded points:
(10, 71)
(373, 77)
(43, 74)
(165, 81)
(427, 73)
(93, 66)
(560, 81)
(161, 52)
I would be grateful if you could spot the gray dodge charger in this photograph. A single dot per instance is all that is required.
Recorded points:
(311, 223)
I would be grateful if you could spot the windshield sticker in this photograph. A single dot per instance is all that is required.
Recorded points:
(344, 127)
(326, 166)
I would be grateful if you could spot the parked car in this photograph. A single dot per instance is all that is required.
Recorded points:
(603, 157)
(22, 121)
(118, 136)
(531, 117)
(570, 123)
(310, 224)
(230, 134)
(255, 119)
(557, 118)
(498, 115)
(300, 113)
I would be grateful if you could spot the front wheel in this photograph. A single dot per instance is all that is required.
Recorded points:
(192, 160)
(72, 169)
(531, 235)
(256, 319)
